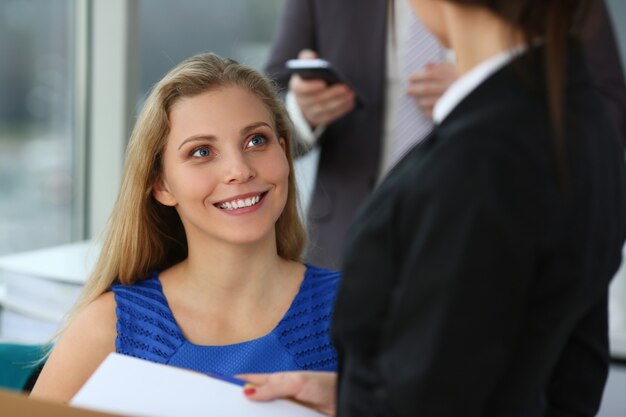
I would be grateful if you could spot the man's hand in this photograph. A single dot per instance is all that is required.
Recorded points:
(428, 85)
(320, 104)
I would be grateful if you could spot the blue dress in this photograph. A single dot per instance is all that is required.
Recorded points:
(147, 329)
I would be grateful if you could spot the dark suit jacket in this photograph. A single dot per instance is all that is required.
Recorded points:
(606, 67)
(473, 285)
(352, 35)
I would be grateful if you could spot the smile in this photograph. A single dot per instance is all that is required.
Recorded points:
(239, 203)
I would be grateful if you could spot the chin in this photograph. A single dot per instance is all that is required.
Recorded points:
(250, 237)
(443, 40)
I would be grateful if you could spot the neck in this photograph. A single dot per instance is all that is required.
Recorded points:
(225, 293)
(476, 34)
(231, 268)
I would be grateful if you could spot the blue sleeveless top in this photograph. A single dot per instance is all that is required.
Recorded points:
(147, 329)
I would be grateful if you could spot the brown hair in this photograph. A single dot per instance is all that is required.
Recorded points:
(142, 235)
(553, 21)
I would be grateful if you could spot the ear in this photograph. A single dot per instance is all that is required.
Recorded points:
(162, 193)
(282, 144)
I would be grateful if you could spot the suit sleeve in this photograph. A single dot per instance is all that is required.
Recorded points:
(296, 31)
(577, 384)
(604, 60)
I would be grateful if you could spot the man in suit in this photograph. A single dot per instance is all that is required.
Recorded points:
(354, 36)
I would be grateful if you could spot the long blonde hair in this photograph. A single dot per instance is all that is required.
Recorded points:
(144, 236)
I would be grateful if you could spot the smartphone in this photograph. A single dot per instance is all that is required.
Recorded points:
(314, 69)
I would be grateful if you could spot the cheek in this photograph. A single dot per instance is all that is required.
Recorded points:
(276, 171)
(192, 183)
(283, 170)
(277, 167)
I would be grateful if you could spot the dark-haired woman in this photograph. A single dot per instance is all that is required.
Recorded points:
(475, 279)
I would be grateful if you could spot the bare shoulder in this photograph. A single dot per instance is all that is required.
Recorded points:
(89, 338)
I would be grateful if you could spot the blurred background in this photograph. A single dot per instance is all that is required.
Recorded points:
(64, 60)
(47, 96)
(73, 74)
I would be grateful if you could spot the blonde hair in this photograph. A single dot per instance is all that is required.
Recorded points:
(143, 235)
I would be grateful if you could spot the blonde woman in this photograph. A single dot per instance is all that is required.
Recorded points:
(200, 267)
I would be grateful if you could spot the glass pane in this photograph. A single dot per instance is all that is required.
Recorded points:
(170, 31)
(36, 124)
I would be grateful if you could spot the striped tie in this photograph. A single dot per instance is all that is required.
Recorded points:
(411, 125)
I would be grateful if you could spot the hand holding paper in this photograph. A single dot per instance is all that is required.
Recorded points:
(131, 386)
(312, 389)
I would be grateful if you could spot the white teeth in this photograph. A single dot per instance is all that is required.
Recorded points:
(235, 204)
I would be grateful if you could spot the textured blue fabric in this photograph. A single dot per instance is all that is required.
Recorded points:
(146, 329)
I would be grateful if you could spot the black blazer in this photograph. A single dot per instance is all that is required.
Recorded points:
(473, 285)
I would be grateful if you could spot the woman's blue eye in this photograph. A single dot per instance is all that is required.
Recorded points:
(256, 140)
(201, 153)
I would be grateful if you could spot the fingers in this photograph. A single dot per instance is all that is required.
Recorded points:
(438, 71)
(266, 387)
(326, 111)
(320, 103)
(428, 86)
(434, 80)
(426, 105)
(426, 94)
(305, 88)
(307, 54)
(312, 389)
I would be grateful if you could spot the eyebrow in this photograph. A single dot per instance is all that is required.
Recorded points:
(212, 138)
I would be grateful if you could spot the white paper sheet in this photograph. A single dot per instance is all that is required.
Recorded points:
(135, 387)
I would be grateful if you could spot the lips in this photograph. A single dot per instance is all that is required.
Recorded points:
(241, 201)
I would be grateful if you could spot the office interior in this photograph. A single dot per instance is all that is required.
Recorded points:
(73, 75)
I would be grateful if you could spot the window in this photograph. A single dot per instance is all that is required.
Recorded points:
(170, 32)
(40, 200)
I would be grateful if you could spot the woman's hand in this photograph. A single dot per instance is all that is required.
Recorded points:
(312, 389)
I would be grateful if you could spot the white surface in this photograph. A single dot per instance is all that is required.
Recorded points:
(41, 298)
(69, 263)
(27, 309)
(135, 387)
(614, 400)
(38, 288)
(617, 312)
(19, 328)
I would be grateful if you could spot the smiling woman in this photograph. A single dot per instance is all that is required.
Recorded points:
(201, 267)
(222, 153)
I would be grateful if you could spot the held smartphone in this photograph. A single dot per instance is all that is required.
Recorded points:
(311, 69)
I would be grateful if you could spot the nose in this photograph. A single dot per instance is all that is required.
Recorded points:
(238, 169)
